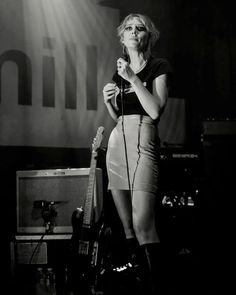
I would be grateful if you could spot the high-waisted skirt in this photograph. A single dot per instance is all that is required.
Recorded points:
(133, 155)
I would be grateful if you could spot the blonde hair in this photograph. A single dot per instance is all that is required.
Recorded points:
(151, 29)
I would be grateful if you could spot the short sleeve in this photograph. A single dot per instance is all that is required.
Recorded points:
(160, 66)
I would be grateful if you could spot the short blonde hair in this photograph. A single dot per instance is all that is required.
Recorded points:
(153, 32)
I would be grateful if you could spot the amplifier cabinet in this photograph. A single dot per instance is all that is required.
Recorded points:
(66, 189)
(35, 249)
(219, 127)
(31, 253)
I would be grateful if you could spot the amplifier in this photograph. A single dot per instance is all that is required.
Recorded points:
(219, 127)
(56, 192)
(31, 253)
(41, 250)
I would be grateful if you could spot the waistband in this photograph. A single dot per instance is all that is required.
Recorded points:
(139, 118)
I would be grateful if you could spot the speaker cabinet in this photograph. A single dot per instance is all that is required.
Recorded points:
(64, 190)
(219, 157)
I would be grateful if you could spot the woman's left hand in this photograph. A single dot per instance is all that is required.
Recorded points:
(124, 70)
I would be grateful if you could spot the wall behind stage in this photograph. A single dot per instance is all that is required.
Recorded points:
(55, 58)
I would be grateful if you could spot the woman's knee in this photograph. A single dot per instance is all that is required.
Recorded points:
(142, 228)
(145, 231)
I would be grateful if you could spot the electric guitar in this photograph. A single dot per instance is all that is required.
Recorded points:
(85, 233)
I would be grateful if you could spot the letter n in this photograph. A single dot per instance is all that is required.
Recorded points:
(24, 74)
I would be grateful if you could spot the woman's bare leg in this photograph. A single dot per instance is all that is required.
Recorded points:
(144, 221)
(122, 200)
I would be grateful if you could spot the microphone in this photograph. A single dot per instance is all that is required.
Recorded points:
(42, 203)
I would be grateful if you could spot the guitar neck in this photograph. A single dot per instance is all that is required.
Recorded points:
(88, 207)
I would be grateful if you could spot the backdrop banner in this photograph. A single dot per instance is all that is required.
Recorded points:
(55, 57)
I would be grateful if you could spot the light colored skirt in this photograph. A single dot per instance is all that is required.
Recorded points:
(141, 145)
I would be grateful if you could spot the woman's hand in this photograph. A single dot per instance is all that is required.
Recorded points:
(110, 90)
(125, 71)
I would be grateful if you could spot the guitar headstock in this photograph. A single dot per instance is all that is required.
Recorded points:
(98, 139)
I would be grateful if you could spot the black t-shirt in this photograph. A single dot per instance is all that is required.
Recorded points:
(131, 105)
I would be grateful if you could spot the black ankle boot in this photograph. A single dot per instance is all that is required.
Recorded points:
(154, 268)
(133, 251)
(137, 260)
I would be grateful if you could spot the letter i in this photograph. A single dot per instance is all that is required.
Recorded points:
(48, 74)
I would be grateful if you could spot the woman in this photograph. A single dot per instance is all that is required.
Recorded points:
(135, 100)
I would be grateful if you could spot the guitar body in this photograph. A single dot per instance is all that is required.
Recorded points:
(84, 261)
(86, 258)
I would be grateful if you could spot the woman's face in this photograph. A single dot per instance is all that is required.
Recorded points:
(135, 34)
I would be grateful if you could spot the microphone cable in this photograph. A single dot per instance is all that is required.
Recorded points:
(123, 130)
(36, 248)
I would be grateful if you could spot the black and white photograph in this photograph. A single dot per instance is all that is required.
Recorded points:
(117, 146)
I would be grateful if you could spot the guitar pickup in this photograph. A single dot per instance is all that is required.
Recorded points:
(83, 247)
